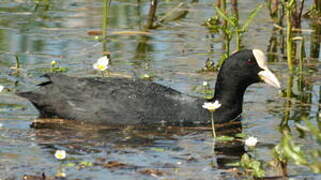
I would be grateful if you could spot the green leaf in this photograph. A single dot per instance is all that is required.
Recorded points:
(70, 164)
(224, 16)
(157, 149)
(241, 135)
(86, 163)
(251, 165)
(224, 138)
(316, 132)
(251, 17)
(292, 151)
(233, 164)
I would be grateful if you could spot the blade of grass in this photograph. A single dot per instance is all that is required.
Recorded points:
(251, 16)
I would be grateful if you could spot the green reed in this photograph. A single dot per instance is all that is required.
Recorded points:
(317, 5)
(151, 14)
(231, 27)
(289, 12)
(288, 150)
(105, 24)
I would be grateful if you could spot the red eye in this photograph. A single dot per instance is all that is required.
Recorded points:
(249, 61)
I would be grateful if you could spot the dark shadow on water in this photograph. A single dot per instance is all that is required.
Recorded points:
(231, 151)
(86, 138)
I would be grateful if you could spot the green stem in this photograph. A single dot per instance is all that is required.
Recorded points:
(213, 127)
(152, 14)
(227, 45)
(289, 37)
(317, 5)
(301, 56)
(105, 23)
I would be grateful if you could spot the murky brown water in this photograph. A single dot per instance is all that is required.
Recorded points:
(173, 53)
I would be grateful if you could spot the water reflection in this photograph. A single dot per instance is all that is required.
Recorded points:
(229, 152)
(90, 139)
(315, 39)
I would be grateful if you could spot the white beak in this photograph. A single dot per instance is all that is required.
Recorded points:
(269, 78)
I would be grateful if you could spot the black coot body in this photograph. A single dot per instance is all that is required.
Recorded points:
(124, 101)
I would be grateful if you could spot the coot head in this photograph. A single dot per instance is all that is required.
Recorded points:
(247, 67)
(240, 70)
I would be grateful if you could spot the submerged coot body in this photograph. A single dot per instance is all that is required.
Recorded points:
(124, 101)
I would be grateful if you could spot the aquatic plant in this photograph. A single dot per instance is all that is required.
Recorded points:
(60, 154)
(251, 141)
(1, 88)
(17, 66)
(102, 64)
(204, 90)
(289, 6)
(301, 53)
(212, 107)
(105, 24)
(234, 26)
(231, 27)
(289, 151)
(54, 67)
(151, 14)
(293, 152)
(209, 66)
(148, 77)
(251, 167)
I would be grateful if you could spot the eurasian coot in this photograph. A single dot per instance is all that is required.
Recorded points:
(124, 101)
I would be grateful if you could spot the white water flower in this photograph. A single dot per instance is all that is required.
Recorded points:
(53, 63)
(211, 106)
(60, 154)
(1, 88)
(101, 64)
(205, 83)
(251, 141)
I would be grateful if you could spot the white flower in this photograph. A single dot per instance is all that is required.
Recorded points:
(211, 106)
(53, 63)
(1, 88)
(251, 141)
(205, 83)
(146, 76)
(60, 154)
(101, 64)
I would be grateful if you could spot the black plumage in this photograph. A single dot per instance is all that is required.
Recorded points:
(124, 101)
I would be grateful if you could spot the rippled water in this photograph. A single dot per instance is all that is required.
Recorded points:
(58, 30)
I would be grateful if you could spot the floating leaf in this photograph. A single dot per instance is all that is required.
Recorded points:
(157, 149)
(233, 164)
(240, 135)
(70, 164)
(224, 138)
(86, 163)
